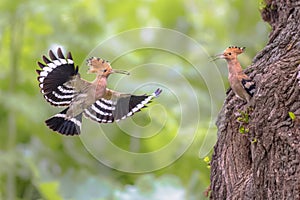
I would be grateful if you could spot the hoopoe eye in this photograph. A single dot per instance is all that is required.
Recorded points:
(105, 70)
(229, 53)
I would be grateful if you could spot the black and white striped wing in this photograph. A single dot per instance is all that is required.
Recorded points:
(116, 106)
(54, 78)
(249, 86)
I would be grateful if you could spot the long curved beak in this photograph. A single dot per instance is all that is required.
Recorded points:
(120, 71)
(216, 57)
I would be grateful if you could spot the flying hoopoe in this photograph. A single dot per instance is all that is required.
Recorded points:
(61, 85)
(241, 84)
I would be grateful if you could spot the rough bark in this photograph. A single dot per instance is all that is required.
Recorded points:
(264, 162)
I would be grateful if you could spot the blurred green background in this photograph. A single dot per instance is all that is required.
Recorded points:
(36, 163)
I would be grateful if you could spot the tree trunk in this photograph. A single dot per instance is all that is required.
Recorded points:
(259, 157)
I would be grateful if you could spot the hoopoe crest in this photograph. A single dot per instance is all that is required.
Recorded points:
(240, 83)
(61, 85)
(98, 66)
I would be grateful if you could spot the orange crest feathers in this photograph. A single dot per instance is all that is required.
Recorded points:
(235, 49)
(97, 64)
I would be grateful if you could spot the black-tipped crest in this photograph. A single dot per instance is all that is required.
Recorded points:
(98, 66)
(229, 53)
(235, 49)
(102, 67)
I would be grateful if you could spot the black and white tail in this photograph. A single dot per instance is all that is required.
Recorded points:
(249, 86)
(118, 106)
(64, 125)
(54, 78)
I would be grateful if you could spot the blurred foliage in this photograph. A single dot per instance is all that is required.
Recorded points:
(39, 164)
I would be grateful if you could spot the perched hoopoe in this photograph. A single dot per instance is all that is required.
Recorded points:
(61, 85)
(240, 83)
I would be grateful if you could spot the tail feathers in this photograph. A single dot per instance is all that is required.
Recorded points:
(63, 125)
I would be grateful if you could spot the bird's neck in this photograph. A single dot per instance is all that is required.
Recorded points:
(234, 67)
(99, 85)
(100, 81)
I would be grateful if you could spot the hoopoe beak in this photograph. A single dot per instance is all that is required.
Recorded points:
(119, 71)
(216, 57)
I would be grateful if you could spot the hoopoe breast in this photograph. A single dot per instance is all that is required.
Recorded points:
(238, 88)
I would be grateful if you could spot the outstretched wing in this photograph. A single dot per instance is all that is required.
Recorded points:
(116, 106)
(54, 78)
(249, 86)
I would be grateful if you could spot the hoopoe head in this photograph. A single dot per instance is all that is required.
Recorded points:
(230, 53)
(102, 67)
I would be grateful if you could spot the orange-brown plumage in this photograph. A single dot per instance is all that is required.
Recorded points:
(62, 85)
(240, 83)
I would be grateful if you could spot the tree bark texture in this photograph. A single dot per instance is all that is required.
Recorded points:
(259, 157)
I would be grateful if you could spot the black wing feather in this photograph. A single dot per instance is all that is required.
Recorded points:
(54, 76)
(118, 108)
(249, 86)
(60, 54)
